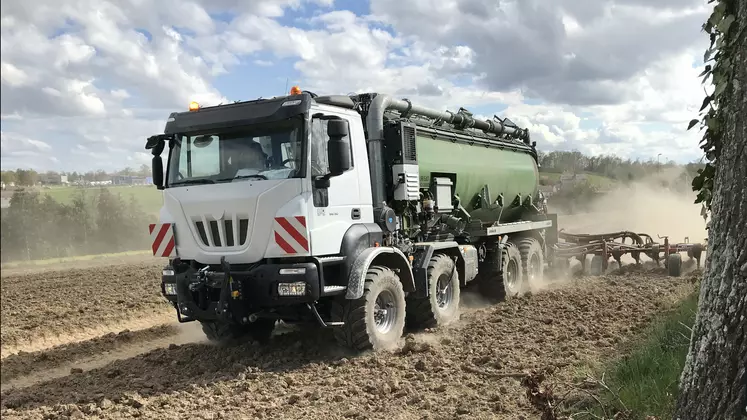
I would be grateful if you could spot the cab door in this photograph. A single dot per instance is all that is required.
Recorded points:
(347, 200)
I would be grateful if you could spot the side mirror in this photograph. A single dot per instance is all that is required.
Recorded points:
(158, 172)
(338, 147)
(157, 143)
(152, 142)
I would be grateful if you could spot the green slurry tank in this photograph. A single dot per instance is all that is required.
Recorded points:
(486, 159)
(507, 171)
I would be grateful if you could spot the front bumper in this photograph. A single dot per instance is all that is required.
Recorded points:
(237, 292)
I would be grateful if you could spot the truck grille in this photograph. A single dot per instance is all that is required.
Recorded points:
(229, 232)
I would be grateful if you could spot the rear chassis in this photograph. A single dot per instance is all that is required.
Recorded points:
(241, 294)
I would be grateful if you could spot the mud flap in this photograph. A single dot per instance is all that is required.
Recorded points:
(388, 257)
(423, 254)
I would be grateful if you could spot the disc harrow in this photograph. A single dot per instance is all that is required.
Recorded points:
(614, 245)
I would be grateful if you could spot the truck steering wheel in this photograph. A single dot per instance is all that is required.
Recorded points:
(288, 160)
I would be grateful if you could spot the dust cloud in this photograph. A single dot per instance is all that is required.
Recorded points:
(659, 205)
(646, 206)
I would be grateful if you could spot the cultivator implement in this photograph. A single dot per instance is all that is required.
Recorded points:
(614, 245)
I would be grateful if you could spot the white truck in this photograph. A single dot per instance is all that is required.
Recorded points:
(361, 213)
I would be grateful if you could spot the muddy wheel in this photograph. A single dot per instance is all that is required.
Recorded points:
(490, 277)
(674, 265)
(377, 319)
(532, 261)
(695, 253)
(442, 304)
(225, 333)
(513, 271)
(596, 267)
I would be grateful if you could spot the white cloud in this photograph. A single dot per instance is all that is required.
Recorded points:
(11, 143)
(12, 75)
(601, 76)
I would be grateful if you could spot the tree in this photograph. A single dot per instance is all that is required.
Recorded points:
(8, 177)
(128, 171)
(27, 177)
(713, 384)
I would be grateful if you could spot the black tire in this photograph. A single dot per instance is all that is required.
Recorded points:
(532, 261)
(490, 277)
(361, 330)
(674, 265)
(596, 266)
(438, 308)
(225, 333)
(513, 271)
(696, 252)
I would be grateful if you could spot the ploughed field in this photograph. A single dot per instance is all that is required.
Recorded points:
(100, 342)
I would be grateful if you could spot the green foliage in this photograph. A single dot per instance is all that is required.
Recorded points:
(21, 177)
(8, 176)
(714, 108)
(645, 382)
(148, 197)
(36, 226)
(575, 197)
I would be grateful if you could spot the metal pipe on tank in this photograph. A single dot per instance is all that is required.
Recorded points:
(375, 128)
(495, 127)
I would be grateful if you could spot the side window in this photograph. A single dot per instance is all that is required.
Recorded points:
(203, 154)
(319, 138)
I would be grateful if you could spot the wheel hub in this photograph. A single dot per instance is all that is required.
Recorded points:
(385, 312)
(510, 275)
(534, 267)
(444, 291)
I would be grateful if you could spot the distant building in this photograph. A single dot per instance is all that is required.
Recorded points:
(128, 180)
(53, 179)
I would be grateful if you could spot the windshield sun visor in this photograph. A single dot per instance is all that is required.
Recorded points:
(238, 114)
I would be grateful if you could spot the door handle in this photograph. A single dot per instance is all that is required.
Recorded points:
(355, 214)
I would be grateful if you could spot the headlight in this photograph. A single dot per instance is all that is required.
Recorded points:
(169, 289)
(292, 289)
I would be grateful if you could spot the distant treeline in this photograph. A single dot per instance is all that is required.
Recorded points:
(579, 196)
(36, 226)
(29, 177)
(613, 167)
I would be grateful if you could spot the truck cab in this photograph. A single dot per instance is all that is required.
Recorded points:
(276, 210)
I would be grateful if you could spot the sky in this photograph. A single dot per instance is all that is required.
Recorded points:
(85, 82)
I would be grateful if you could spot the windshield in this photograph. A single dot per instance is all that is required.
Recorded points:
(259, 152)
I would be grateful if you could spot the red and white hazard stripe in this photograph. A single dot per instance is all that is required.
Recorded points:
(162, 239)
(291, 234)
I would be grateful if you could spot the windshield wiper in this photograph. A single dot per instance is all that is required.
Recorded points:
(258, 176)
(193, 182)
